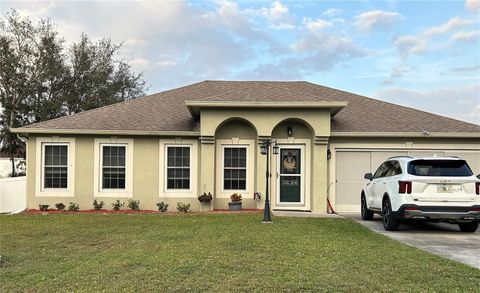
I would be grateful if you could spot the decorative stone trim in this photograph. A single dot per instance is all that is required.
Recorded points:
(262, 139)
(207, 139)
(321, 140)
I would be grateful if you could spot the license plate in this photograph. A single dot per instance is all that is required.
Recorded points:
(449, 188)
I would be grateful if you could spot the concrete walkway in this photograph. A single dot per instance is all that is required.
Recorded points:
(304, 214)
(441, 239)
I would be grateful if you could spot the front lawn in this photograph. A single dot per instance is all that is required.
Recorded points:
(214, 252)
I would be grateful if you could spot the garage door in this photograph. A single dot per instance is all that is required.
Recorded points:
(351, 165)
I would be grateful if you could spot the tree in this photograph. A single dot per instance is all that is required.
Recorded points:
(41, 78)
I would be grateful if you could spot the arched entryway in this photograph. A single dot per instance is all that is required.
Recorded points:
(235, 161)
(292, 168)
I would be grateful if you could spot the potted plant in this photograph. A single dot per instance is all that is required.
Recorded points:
(236, 203)
(205, 199)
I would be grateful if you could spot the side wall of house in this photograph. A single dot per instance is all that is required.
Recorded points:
(146, 184)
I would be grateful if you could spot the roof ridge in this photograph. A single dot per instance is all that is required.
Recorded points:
(229, 92)
(297, 92)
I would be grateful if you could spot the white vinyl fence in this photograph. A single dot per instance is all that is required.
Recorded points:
(13, 194)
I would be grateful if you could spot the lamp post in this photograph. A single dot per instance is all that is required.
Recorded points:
(265, 150)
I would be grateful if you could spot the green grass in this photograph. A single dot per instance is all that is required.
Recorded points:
(216, 252)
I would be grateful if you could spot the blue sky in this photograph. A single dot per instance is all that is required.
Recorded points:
(422, 54)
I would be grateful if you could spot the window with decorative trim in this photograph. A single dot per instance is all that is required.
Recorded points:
(113, 166)
(178, 167)
(55, 166)
(234, 168)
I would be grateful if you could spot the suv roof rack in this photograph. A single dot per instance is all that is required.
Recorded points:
(405, 156)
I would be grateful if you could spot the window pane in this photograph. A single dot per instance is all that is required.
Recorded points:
(235, 171)
(241, 184)
(178, 167)
(170, 184)
(55, 177)
(227, 184)
(114, 156)
(113, 178)
(55, 166)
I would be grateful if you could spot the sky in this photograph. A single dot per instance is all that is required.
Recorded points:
(421, 54)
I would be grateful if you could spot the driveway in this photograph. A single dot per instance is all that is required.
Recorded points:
(438, 238)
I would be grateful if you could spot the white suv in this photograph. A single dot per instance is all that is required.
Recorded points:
(430, 189)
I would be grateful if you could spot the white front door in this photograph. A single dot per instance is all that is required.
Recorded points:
(291, 176)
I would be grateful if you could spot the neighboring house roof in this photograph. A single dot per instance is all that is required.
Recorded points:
(166, 111)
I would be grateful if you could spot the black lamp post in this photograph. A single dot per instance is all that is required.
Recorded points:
(265, 150)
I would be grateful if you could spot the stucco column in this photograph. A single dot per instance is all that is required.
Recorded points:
(319, 176)
(207, 167)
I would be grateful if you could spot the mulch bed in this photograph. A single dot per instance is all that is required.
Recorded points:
(105, 212)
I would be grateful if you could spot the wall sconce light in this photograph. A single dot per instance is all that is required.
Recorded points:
(263, 149)
(329, 154)
(275, 149)
(289, 131)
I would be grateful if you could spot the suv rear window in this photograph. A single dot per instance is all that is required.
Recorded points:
(439, 168)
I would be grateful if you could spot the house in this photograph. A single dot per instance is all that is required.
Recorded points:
(206, 137)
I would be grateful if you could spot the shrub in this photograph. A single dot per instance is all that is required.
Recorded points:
(134, 205)
(43, 207)
(98, 205)
(181, 207)
(236, 197)
(73, 206)
(205, 198)
(162, 207)
(117, 205)
(60, 206)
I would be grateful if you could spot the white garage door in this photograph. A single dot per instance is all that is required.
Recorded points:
(351, 165)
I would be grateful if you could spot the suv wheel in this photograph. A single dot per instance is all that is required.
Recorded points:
(366, 213)
(468, 226)
(389, 222)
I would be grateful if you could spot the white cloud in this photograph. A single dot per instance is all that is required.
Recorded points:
(139, 64)
(331, 12)
(316, 25)
(278, 16)
(459, 101)
(465, 68)
(472, 5)
(466, 36)
(411, 45)
(376, 20)
(421, 43)
(451, 24)
(166, 63)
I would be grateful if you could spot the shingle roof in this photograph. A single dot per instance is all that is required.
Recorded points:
(166, 111)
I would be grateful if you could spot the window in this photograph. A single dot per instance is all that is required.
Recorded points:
(178, 167)
(113, 166)
(439, 168)
(234, 168)
(55, 166)
(381, 171)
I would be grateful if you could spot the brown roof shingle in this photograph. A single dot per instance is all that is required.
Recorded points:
(166, 111)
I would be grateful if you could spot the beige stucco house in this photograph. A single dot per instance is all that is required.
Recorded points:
(205, 137)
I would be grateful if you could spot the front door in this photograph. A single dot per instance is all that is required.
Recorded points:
(290, 175)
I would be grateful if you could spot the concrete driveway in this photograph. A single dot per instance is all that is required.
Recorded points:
(438, 238)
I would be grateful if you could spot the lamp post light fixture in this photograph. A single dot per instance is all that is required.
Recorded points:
(265, 150)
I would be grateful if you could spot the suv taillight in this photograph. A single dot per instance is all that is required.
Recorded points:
(405, 187)
(477, 188)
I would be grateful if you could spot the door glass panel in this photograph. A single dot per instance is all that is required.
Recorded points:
(290, 161)
(290, 175)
